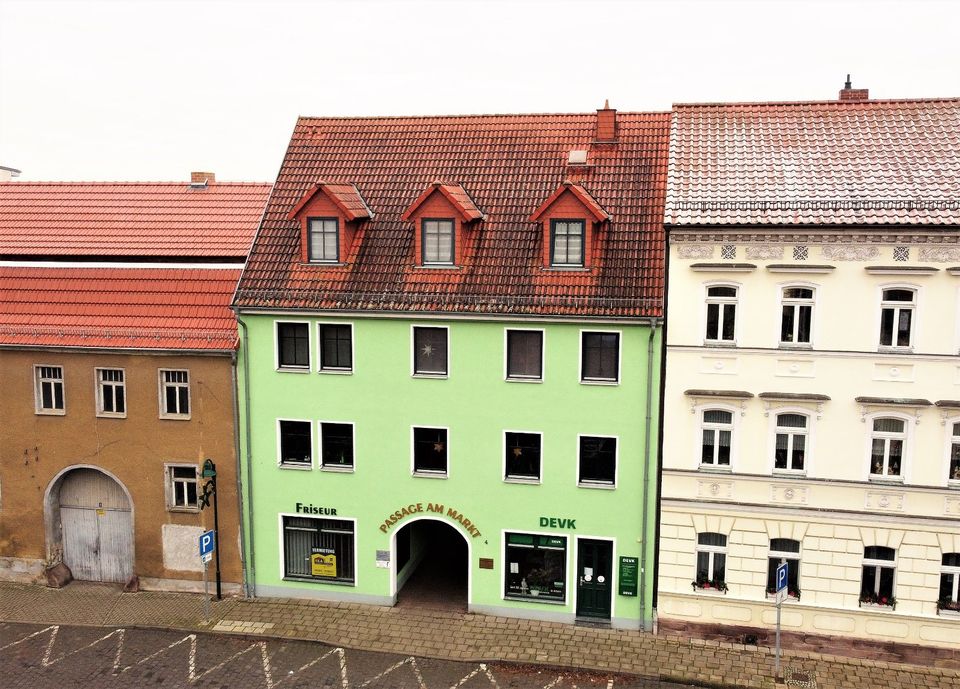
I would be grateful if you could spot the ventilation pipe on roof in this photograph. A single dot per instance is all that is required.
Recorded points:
(848, 93)
(606, 123)
(202, 179)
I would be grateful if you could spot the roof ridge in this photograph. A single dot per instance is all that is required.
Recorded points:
(88, 183)
(842, 103)
(491, 115)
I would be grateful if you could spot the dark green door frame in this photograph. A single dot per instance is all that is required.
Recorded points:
(594, 578)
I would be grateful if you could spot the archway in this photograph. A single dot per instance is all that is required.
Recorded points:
(89, 522)
(432, 565)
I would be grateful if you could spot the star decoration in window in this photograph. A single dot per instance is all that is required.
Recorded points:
(438, 447)
(427, 350)
(517, 452)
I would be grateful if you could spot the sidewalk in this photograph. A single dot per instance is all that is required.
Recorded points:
(463, 636)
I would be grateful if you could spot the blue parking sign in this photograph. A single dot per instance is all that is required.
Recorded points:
(782, 576)
(207, 542)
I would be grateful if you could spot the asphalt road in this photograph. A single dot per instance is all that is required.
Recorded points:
(63, 657)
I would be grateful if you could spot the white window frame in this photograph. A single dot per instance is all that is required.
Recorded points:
(898, 306)
(37, 390)
(353, 441)
(784, 556)
(506, 356)
(807, 432)
(602, 381)
(353, 354)
(318, 218)
(453, 242)
(711, 550)
(953, 438)
(878, 565)
(98, 390)
(796, 304)
(955, 571)
(701, 426)
(413, 447)
(162, 390)
(276, 346)
(170, 487)
(906, 438)
(602, 485)
(503, 459)
(737, 317)
(413, 352)
(313, 445)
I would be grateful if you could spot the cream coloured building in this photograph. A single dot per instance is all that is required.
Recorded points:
(812, 394)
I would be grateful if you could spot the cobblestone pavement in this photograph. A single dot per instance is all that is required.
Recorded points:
(63, 657)
(464, 637)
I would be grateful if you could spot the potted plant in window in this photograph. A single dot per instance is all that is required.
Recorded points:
(878, 599)
(709, 584)
(949, 605)
(791, 593)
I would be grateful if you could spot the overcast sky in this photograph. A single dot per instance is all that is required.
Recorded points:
(136, 90)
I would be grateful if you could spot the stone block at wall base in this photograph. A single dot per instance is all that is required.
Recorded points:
(816, 643)
(229, 588)
(22, 570)
(58, 576)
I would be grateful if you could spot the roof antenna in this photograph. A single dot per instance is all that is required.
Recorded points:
(848, 85)
(606, 103)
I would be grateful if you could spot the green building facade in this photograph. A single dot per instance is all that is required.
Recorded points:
(412, 419)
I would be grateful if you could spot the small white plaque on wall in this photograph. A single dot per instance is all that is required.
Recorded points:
(893, 373)
(788, 494)
(724, 365)
(718, 490)
(891, 502)
(794, 368)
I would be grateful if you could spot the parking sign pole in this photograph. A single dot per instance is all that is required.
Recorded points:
(778, 639)
(206, 595)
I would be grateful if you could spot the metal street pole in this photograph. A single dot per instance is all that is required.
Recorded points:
(216, 534)
(778, 639)
(206, 593)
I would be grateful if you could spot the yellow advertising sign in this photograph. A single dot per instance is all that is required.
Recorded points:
(322, 565)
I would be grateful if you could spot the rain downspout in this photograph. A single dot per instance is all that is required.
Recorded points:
(236, 444)
(252, 581)
(648, 422)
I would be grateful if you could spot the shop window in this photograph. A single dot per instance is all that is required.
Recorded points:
(716, 437)
(790, 451)
(796, 316)
(784, 550)
(896, 317)
(886, 448)
(174, 394)
(949, 598)
(522, 461)
(296, 446)
(711, 561)
(430, 451)
(535, 567)
(324, 240)
(879, 571)
(598, 461)
(111, 392)
(566, 243)
(721, 314)
(336, 445)
(437, 242)
(293, 346)
(600, 357)
(954, 468)
(525, 354)
(429, 351)
(318, 549)
(48, 391)
(182, 488)
(336, 347)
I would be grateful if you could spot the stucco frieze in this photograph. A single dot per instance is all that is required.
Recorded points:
(816, 238)
(940, 254)
(796, 495)
(695, 251)
(850, 253)
(765, 252)
(884, 501)
(715, 489)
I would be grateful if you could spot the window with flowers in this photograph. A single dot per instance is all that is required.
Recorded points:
(949, 598)
(711, 562)
(879, 574)
(784, 550)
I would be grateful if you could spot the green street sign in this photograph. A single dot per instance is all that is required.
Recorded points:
(629, 569)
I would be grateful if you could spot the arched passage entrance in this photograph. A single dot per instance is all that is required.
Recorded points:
(432, 565)
(89, 519)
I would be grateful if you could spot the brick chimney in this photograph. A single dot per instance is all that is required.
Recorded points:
(606, 123)
(850, 93)
(202, 178)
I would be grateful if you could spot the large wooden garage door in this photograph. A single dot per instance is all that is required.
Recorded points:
(97, 527)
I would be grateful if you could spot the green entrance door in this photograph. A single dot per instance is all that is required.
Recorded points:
(594, 578)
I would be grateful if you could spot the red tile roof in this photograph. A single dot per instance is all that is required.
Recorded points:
(455, 194)
(509, 164)
(117, 308)
(852, 162)
(60, 219)
(580, 193)
(344, 196)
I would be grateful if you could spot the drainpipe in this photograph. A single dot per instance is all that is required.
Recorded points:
(251, 582)
(648, 423)
(236, 444)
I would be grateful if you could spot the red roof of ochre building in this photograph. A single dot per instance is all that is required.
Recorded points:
(507, 166)
(117, 308)
(834, 162)
(168, 219)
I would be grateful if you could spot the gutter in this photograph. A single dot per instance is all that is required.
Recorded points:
(236, 444)
(648, 423)
(250, 581)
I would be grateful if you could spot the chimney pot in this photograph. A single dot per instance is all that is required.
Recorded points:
(202, 178)
(606, 123)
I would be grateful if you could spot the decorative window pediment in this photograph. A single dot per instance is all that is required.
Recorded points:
(455, 195)
(439, 215)
(569, 216)
(329, 214)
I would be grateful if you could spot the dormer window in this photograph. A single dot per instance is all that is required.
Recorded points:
(437, 241)
(572, 222)
(324, 241)
(566, 243)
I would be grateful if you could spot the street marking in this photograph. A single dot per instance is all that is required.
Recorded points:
(480, 668)
(411, 661)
